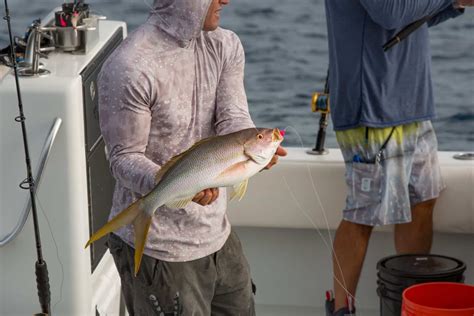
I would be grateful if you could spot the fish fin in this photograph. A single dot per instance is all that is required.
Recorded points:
(234, 170)
(125, 217)
(141, 225)
(170, 163)
(239, 190)
(180, 203)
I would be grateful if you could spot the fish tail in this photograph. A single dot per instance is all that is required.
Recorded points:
(141, 225)
(125, 217)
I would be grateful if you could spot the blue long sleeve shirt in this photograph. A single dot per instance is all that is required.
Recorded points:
(370, 87)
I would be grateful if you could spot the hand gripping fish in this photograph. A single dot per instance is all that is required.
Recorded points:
(220, 161)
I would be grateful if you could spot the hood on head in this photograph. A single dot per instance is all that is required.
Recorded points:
(182, 19)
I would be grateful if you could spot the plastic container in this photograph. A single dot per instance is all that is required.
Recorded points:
(397, 273)
(438, 299)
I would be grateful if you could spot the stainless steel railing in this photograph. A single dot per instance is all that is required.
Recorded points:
(48, 144)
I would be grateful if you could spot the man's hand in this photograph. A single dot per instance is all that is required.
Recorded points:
(463, 3)
(279, 152)
(206, 197)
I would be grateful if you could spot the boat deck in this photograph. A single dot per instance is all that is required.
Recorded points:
(274, 310)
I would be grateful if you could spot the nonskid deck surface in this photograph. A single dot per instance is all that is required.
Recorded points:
(274, 310)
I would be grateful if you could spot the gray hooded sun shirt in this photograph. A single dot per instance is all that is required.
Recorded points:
(167, 86)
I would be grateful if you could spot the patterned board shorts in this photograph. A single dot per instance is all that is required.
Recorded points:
(382, 193)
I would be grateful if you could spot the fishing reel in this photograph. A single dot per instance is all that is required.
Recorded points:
(320, 102)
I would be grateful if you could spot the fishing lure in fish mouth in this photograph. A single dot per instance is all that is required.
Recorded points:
(219, 161)
(280, 133)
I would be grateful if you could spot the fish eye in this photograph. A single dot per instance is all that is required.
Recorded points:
(260, 136)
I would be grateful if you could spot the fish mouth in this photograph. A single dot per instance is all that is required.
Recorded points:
(277, 135)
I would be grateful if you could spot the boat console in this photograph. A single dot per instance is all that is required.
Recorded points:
(74, 185)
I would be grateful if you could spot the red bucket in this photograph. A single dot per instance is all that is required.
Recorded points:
(438, 299)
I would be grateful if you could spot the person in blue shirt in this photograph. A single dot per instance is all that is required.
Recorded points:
(382, 104)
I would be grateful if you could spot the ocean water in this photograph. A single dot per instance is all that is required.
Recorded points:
(287, 59)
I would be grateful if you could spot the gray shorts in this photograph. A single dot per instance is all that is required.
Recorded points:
(218, 284)
(383, 193)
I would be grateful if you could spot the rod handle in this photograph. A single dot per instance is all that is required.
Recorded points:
(42, 283)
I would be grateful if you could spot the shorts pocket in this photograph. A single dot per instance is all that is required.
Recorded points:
(364, 181)
(156, 295)
(158, 298)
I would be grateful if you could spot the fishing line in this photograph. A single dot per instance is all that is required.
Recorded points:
(330, 248)
(315, 226)
(318, 198)
(148, 4)
(57, 253)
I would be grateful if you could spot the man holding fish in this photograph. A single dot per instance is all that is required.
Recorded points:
(174, 116)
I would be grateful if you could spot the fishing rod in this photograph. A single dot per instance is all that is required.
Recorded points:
(41, 269)
(320, 103)
(405, 32)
